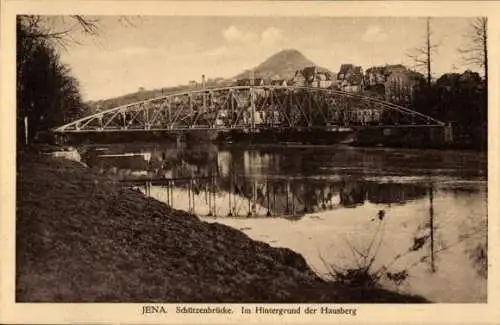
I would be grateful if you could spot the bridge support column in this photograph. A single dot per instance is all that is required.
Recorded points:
(252, 108)
(448, 133)
(432, 135)
(61, 139)
(180, 139)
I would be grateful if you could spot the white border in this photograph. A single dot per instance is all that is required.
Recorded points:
(11, 312)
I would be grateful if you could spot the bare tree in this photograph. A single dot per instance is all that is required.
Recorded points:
(41, 28)
(47, 94)
(477, 52)
(422, 56)
(60, 31)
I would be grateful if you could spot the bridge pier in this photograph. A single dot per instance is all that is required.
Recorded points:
(442, 135)
(448, 133)
(180, 139)
(61, 139)
(432, 135)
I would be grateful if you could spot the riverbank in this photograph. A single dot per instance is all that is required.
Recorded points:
(369, 139)
(81, 237)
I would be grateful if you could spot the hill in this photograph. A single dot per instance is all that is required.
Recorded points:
(281, 65)
(137, 96)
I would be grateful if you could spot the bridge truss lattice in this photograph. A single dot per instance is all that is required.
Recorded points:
(251, 108)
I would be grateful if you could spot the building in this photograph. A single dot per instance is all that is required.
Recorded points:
(350, 78)
(401, 86)
(250, 82)
(323, 80)
(448, 81)
(312, 77)
(258, 82)
(299, 79)
(378, 75)
(305, 77)
(375, 76)
(395, 83)
(344, 70)
(243, 82)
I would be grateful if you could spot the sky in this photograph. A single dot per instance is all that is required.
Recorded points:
(161, 51)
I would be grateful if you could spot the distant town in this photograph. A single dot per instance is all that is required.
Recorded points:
(394, 83)
(457, 98)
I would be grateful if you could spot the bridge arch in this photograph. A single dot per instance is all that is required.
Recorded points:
(251, 107)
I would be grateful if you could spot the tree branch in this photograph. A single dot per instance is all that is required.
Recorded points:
(476, 53)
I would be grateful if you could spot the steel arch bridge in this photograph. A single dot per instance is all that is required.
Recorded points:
(251, 108)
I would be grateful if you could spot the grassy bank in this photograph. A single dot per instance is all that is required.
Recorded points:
(83, 238)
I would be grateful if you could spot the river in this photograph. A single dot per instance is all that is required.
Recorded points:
(417, 217)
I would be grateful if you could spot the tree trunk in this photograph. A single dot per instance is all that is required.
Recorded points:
(428, 54)
(485, 58)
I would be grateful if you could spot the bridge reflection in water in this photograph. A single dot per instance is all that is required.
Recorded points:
(238, 195)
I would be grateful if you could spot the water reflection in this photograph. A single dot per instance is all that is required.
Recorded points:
(278, 186)
(433, 203)
(203, 159)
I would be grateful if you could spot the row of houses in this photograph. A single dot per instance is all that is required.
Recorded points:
(394, 83)
(307, 77)
(350, 78)
(397, 83)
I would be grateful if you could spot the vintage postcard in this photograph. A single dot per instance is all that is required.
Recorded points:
(257, 162)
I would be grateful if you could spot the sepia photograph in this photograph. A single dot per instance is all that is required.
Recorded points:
(275, 159)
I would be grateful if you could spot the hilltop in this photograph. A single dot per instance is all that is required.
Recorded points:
(282, 65)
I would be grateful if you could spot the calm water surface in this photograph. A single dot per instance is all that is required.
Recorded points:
(421, 215)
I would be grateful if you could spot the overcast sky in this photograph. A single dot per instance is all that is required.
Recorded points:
(155, 52)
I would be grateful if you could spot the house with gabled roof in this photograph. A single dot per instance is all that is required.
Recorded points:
(350, 78)
(323, 80)
(299, 79)
(378, 75)
(401, 86)
(344, 70)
